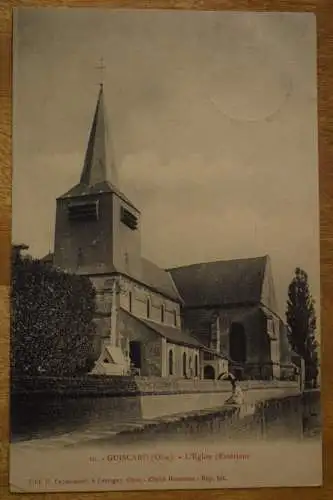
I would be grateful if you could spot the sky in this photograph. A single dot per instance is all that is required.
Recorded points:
(213, 122)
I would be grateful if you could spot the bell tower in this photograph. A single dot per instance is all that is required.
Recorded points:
(97, 228)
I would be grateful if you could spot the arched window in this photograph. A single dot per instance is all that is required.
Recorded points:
(209, 372)
(162, 313)
(196, 366)
(190, 364)
(184, 365)
(148, 307)
(130, 301)
(237, 347)
(175, 317)
(170, 362)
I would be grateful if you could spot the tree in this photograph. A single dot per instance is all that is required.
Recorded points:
(302, 322)
(52, 319)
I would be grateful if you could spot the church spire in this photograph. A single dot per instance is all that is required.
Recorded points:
(98, 167)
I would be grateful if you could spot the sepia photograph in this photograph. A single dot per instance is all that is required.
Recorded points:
(165, 277)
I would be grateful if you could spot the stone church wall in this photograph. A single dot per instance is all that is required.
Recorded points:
(285, 348)
(137, 304)
(151, 346)
(179, 353)
(126, 248)
(259, 349)
(85, 245)
(133, 297)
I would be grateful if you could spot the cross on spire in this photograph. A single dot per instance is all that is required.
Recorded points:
(101, 67)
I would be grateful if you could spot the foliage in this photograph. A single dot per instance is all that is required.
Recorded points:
(302, 322)
(52, 319)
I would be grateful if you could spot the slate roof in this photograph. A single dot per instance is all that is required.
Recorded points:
(99, 173)
(226, 283)
(170, 333)
(158, 279)
(80, 190)
(98, 164)
(152, 276)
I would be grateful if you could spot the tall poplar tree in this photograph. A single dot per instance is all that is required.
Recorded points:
(302, 322)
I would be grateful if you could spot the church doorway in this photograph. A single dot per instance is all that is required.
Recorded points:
(135, 353)
(209, 372)
(237, 345)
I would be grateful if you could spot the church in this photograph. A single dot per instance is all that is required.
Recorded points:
(196, 321)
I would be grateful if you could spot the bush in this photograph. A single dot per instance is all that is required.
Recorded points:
(52, 325)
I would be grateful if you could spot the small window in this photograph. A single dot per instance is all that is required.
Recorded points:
(196, 366)
(128, 218)
(175, 317)
(148, 307)
(184, 365)
(162, 313)
(130, 301)
(171, 362)
(83, 211)
(190, 369)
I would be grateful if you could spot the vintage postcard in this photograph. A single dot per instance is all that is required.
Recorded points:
(165, 295)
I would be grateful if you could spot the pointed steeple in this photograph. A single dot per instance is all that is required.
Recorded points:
(98, 166)
(99, 173)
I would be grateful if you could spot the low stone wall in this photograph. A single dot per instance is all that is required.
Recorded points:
(83, 386)
(171, 385)
(126, 386)
(158, 405)
(48, 405)
(157, 385)
(101, 385)
(286, 417)
(159, 399)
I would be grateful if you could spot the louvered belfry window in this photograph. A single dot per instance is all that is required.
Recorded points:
(83, 210)
(128, 218)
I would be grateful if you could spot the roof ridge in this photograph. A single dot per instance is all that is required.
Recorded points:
(241, 259)
(221, 281)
